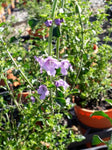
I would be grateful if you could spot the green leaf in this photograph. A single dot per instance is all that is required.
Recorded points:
(61, 101)
(109, 101)
(59, 92)
(1, 24)
(32, 23)
(101, 113)
(51, 86)
(56, 32)
(13, 39)
(78, 9)
(58, 71)
(97, 140)
(75, 91)
(85, 56)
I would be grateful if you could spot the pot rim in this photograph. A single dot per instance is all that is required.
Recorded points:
(91, 111)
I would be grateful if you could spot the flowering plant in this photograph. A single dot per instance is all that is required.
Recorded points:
(38, 121)
(52, 70)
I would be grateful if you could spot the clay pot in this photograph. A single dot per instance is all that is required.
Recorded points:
(98, 122)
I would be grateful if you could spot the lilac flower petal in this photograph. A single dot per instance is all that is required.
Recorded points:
(35, 57)
(47, 93)
(50, 65)
(51, 72)
(42, 96)
(57, 22)
(64, 71)
(61, 20)
(65, 65)
(48, 23)
(32, 99)
(61, 83)
(41, 70)
(42, 91)
(40, 60)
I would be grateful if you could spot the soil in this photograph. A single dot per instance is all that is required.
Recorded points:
(95, 104)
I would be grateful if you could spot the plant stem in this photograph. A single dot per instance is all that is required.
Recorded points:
(51, 28)
(62, 3)
(57, 48)
(82, 45)
(58, 44)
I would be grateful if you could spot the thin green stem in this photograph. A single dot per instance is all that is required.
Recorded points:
(54, 8)
(62, 3)
(50, 41)
(58, 44)
(57, 48)
(51, 28)
(50, 44)
(82, 45)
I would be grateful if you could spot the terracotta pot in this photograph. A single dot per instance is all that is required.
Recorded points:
(98, 122)
(37, 33)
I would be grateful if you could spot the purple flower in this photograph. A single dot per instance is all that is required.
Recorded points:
(58, 22)
(43, 91)
(64, 67)
(48, 23)
(50, 65)
(32, 99)
(40, 61)
(61, 83)
(61, 20)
